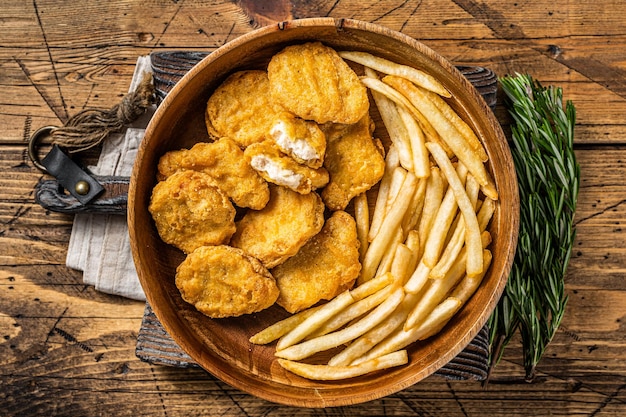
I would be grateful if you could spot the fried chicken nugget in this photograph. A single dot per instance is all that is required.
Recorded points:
(190, 211)
(354, 161)
(301, 139)
(241, 108)
(280, 169)
(281, 228)
(222, 281)
(223, 160)
(325, 267)
(313, 82)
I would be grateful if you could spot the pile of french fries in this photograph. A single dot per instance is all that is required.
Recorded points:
(423, 249)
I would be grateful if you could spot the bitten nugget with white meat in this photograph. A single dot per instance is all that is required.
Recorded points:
(354, 161)
(280, 169)
(325, 267)
(241, 108)
(223, 160)
(222, 281)
(281, 228)
(313, 82)
(303, 140)
(190, 211)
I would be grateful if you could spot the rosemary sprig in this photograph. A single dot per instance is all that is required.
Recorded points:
(548, 175)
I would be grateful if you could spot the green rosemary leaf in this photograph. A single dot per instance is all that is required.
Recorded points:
(548, 176)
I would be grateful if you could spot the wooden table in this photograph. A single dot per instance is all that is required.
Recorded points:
(66, 349)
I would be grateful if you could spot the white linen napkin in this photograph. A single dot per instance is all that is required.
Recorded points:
(99, 243)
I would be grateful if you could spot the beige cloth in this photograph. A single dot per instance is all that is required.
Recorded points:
(99, 244)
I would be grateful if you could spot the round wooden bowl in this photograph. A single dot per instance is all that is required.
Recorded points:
(221, 346)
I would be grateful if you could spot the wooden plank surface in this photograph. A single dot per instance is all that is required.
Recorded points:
(66, 349)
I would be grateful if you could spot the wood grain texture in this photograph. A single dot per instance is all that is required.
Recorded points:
(68, 350)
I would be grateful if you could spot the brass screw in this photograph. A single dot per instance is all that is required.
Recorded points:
(82, 187)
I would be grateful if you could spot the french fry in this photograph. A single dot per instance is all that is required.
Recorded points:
(354, 311)
(451, 251)
(282, 327)
(442, 222)
(379, 86)
(435, 190)
(387, 260)
(392, 161)
(388, 229)
(436, 293)
(472, 229)
(417, 140)
(398, 133)
(328, 373)
(362, 219)
(413, 243)
(437, 289)
(468, 285)
(401, 338)
(463, 128)
(485, 213)
(401, 263)
(397, 179)
(446, 130)
(418, 279)
(414, 211)
(331, 340)
(388, 67)
(316, 320)
(365, 343)
(371, 286)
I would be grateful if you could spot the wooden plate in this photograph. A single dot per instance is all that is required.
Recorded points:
(221, 346)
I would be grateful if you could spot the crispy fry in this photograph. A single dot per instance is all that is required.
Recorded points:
(392, 161)
(458, 123)
(468, 285)
(413, 213)
(435, 188)
(316, 320)
(457, 143)
(401, 338)
(388, 229)
(472, 229)
(398, 133)
(421, 165)
(400, 268)
(442, 223)
(354, 311)
(388, 67)
(362, 218)
(328, 373)
(331, 340)
(282, 327)
(418, 279)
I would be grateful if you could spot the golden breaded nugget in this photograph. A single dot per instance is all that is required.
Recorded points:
(280, 169)
(190, 211)
(325, 267)
(241, 108)
(222, 281)
(313, 82)
(303, 140)
(281, 228)
(223, 160)
(355, 163)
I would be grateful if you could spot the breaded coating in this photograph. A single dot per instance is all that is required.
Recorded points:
(241, 108)
(221, 281)
(325, 267)
(303, 140)
(313, 82)
(355, 163)
(280, 169)
(190, 211)
(223, 160)
(278, 231)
